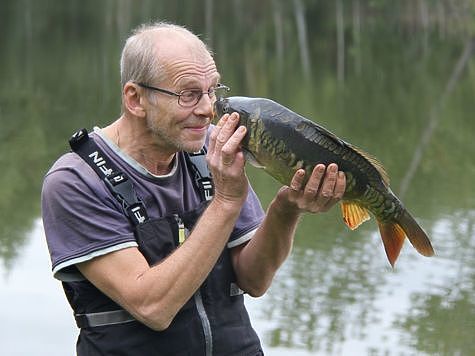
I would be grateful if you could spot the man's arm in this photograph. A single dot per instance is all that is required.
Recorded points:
(154, 295)
(256, 262)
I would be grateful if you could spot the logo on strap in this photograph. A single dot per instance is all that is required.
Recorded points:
(207, 187)
(100, 163)
(137, 213)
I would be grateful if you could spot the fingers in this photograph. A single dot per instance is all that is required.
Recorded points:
(324, 188)
(340, 185)
(297, 180)
(224, 149)
(313, 184)
(226, 160)
(224, 130)
(214, 134)
(231, 146)
(328, 182)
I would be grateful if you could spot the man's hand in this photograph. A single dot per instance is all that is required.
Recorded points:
(226, 160)
(324, 188)
(256, 262)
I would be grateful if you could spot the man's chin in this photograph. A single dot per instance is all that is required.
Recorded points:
(193, 146)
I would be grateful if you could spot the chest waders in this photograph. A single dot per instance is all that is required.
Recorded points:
(213, 322)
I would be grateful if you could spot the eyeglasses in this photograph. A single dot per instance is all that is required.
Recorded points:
(189, 97)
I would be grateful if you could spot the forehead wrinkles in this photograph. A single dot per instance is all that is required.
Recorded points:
(184, 58)
(184, 71)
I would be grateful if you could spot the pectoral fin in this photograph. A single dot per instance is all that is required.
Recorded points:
(353, 214)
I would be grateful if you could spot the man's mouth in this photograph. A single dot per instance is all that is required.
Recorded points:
(198, 128)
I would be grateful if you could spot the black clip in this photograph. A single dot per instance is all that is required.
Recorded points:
(78, 138)
(122, 188)
(124, 191)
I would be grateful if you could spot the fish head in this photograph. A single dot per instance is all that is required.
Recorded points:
(241, 105)
(221, 106)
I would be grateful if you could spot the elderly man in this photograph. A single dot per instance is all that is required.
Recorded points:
(154, 256)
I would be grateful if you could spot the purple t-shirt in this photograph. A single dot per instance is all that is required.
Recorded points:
(82, 219)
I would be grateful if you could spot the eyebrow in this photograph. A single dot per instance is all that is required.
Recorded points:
(191, 82)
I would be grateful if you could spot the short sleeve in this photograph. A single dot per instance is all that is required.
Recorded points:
(249, 220)
(81, 219)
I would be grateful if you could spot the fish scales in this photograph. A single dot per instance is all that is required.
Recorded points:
(280, 141)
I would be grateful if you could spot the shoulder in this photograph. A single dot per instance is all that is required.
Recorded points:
(68, 162)
(70, 176)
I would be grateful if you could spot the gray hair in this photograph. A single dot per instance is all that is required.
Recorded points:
(139, 62)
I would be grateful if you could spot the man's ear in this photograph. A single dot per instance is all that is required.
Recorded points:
(133, 100)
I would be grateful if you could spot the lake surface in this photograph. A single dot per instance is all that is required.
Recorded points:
(395, 79)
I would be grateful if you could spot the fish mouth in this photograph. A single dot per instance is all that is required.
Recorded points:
(220, 107)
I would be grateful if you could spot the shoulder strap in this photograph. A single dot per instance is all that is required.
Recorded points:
(202, 176)
(121, 187)
(117, 182)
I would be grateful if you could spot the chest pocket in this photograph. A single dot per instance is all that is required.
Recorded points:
(158, 238)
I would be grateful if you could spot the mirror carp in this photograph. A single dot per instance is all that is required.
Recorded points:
(280, 141)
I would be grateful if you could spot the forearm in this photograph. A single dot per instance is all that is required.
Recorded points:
(259, 260)
(169, 285)
(154, 295)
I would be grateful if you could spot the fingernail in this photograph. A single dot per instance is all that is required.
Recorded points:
(224, 118)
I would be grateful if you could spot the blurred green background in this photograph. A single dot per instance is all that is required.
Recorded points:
(396, 78)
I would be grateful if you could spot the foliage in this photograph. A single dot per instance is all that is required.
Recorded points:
(371, 71)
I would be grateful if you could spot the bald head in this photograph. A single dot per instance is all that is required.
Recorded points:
(151, 48)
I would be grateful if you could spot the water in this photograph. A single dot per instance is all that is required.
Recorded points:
(35, 314)
(399, 95)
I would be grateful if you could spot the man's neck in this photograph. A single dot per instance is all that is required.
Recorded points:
(137, 143)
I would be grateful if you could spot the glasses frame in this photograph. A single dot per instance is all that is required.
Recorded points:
(219, 86)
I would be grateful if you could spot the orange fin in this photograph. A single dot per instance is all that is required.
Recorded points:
(353, 214)
(393, 238)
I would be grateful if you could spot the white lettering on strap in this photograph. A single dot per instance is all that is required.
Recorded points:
(100, 163)
(140, 218)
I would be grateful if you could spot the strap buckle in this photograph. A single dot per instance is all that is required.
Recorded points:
(202, 175)
(124, 191)
(91, 320)
(78, 138)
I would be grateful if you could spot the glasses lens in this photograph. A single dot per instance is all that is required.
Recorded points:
(189, 97)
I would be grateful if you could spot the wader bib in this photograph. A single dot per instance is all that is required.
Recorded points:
(213, 322)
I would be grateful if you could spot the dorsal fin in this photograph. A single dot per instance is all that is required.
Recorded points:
(375, 163)
(309, 128)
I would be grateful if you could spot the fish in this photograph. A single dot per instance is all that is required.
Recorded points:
(280, 141)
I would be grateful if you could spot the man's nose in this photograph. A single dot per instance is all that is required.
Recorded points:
(205, 105)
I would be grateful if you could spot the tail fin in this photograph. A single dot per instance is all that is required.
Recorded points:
(416, 235)
(393, 238)
(394, 233)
